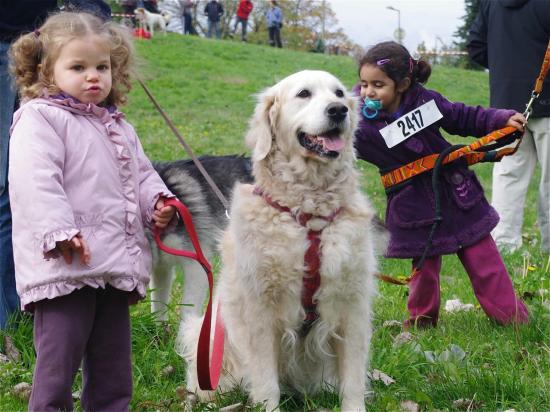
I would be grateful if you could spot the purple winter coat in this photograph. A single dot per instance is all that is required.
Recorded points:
(410, 211)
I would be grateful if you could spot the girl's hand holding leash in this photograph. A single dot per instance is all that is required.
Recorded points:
(163, 214)
(517, 120)
(76, 244)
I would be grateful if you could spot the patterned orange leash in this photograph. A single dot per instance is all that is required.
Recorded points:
(478, 151)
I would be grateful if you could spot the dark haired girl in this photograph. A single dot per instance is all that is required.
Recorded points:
(401, 123)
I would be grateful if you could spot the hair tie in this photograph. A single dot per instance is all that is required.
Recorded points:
(411, 64)
(36, 32)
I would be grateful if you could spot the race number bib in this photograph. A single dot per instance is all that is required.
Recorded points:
(411, 123)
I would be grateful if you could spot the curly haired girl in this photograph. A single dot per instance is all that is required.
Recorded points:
(80, 183)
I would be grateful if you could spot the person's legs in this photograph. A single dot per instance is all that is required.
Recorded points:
(107, 377)
(61, 329)
(278, 37)
(244, 24)
(511, 178)
(492, 284)
(188, 22)
(540, 129)
(218, 30)
(210, 28)
(235, 27)
(271, 31)
(9, 302)
(424, 295)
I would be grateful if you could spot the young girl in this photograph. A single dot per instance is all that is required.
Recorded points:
(80, 184)
(390, 88)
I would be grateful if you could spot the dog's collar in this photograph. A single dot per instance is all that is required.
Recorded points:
(312, 278)
(301, 218)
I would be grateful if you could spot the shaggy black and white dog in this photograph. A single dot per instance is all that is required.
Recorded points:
(209, 217)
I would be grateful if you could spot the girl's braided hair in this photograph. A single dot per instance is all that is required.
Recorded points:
(33, 55)
(395, 60)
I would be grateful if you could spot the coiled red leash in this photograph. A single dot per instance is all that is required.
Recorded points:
(208, 370)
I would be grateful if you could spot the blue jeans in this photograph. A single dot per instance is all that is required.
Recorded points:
(214, 26)
(9, 302)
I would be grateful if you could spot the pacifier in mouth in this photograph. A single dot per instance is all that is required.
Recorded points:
(371, 107)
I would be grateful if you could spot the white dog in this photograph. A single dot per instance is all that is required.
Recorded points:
(306, 193)
(152, 19)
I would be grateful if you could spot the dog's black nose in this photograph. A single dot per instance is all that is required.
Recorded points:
(336, 112)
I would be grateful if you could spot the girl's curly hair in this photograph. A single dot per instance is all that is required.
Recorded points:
(33, 55)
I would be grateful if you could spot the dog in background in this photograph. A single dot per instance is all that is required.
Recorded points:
(150, 20)
(209, 217)
(281, 332)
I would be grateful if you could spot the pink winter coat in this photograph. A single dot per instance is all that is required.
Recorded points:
(77, 167)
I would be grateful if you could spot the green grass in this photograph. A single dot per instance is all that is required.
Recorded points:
(207, 87)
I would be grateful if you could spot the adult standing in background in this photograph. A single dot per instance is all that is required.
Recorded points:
(214, 12)
(510, 37)
(19, 17)
(243, 11)
(274, 17)
(188, 6)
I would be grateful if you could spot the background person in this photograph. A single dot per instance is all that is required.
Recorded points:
(392, 79)
(214, 12)
(188, 6)
(510, 37)
(80, 184)
(243, 11)
(274, 17)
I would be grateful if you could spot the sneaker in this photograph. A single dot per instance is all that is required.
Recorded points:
(419, 323)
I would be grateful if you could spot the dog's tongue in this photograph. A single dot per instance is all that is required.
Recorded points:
(332, 143)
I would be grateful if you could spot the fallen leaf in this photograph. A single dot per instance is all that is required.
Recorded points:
(233, 408)
(409, 406)
(467, 404)
(167, 371)
(403, 337)
(377, 375)
(22, 391)
(455, 305)
(11, 350)
(392, 324)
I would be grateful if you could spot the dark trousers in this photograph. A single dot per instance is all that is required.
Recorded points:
(244, 26)
(188, 24)
(275, 37)
(92, 325)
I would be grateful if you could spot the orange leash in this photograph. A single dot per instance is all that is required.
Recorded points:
(478, 151)
(473, 153)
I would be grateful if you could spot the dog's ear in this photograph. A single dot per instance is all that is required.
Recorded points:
(260, 134)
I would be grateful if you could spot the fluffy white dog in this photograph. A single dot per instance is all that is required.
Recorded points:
(281, 330)
(153, 19)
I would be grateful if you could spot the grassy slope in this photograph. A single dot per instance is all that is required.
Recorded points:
(207, 89)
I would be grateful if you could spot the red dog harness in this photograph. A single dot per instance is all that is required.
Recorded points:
(312, 258)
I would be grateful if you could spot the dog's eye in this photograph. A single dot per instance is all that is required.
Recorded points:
(339, 93)
(305, 93)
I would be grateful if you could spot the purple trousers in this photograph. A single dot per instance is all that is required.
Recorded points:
(490, 280)
(89, 325)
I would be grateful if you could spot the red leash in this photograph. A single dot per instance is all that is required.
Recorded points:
(208, 370)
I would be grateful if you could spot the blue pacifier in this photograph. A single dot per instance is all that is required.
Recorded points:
(373, 106)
